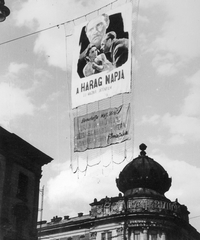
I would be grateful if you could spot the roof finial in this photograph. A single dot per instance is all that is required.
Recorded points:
(142, 147)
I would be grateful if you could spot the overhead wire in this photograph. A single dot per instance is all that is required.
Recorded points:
(194, 217)
(51, 27)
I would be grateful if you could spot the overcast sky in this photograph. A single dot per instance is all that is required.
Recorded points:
(34, 99)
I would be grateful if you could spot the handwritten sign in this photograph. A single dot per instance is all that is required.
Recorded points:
(102, 128)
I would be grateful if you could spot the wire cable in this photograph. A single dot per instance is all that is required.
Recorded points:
(194, 217)
(54, 26)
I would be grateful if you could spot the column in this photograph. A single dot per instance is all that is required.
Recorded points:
(93, 235)
(119, 233)
(144, 235)
(163, 236)
(131, 235)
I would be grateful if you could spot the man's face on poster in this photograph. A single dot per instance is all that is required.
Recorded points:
(96, 29)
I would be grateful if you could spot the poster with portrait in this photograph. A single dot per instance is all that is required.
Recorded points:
(101, 66)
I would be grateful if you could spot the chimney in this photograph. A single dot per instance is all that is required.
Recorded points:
(66, 217)
(56, 219)
(80, 214)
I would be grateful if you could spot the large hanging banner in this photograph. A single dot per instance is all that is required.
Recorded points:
(101, 66)
(102, 128)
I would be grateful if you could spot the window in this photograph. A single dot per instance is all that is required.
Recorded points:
(137, 235)
(22, 187)
(106, 236)
(153, 236)
(103, 236)
(109, 235)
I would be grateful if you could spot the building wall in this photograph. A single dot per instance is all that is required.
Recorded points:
(28, 201)
(2, 178)
(122, 226)
(102, 232)
(140, 234)
(20, 173)
(11, 202)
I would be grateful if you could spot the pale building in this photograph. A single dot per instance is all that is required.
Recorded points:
(142, 212)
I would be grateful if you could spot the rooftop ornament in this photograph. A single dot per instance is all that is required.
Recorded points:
(143, 147)
(145, 173)
(4, 11)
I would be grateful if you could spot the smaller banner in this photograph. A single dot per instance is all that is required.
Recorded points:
(102, 128)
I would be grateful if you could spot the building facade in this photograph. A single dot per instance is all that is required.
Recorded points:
(142, 212)
(20, 173)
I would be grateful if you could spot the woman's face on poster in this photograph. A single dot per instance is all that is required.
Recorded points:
(93, 53)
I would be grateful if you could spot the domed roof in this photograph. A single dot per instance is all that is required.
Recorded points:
(143, 172)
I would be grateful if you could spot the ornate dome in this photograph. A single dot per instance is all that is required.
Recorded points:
(143, 172)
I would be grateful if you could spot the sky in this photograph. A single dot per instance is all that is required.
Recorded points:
(35, 99)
